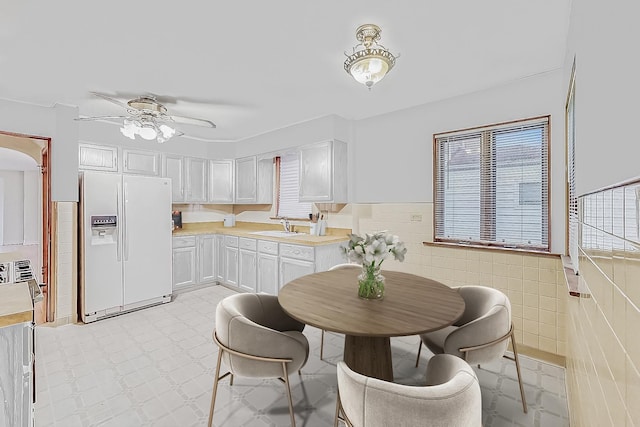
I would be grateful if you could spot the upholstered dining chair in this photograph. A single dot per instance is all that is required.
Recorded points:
(336, 267)
(257, 339)
(481, 334)
(451, 398)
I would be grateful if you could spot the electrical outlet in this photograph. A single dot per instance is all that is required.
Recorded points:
(416, 218)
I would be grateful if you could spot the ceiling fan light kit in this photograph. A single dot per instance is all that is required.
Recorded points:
(147, 129)
(148, 119)
(370, 61)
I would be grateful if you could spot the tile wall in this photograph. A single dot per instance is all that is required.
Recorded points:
(535, 284)
(603, 357)
(66, 268)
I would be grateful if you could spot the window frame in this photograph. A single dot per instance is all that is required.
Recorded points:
(486, 206)
(278, 167)
(572, 220)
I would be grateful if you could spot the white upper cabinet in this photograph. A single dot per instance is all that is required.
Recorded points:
(98, 157)
(254, 180)
(221, 181)
(196, 178)
(141, 162)
(246, 180)
(265, 181)
(323, 172)
(173, 167)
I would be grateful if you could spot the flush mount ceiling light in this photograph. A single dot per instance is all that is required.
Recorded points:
(370, 61)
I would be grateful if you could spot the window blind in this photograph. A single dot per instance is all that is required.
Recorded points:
(289, 189)
(491, 185)
(572, 197)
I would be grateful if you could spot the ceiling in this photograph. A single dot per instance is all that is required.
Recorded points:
(252, 66)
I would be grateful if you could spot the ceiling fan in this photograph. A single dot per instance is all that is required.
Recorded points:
(148, 118)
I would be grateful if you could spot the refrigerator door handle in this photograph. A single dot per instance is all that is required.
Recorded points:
(118, 255)
(124, 225)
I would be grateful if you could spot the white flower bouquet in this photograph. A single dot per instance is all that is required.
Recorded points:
(370, 251)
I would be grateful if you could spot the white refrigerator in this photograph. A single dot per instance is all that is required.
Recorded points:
(125, 243)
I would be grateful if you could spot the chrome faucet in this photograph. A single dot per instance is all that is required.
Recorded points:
(285, 223)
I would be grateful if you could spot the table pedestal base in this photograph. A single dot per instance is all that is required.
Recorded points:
(370, 356)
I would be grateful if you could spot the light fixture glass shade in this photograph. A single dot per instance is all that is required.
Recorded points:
(370, 61)
(148, 132)
(369, 70)
(167, 132)
(147, 128)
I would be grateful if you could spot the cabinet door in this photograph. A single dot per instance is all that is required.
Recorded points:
(265, 181)
(173, 167)
(197, 177)
(267, 274)
(246, 180)
(221, 181)
(184, 267)
(98, 157)
(206, 258)
(219, 267)
(316, 183)
(291, 269)
(141, 162)
(231, 266)
(247, 267)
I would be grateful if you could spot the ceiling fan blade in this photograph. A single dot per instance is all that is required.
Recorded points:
(99, 118)
(192, 121)
(112, 100)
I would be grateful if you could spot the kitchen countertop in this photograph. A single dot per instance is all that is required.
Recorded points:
(244, 229)
(15, 304)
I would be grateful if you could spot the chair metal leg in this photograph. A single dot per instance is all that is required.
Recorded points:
(322, 344)
(335, 422)
(215, 388)
(419, 350)
(231, 380)
(517, 360)
(286, 381)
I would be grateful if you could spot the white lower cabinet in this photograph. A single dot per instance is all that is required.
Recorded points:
(296, 261)
(248, 264)
(268, 268)
(291, 269)
(231, 260)
(184, 262)
(194, 260)
(206, 258)
(247, 268)
(219, 261)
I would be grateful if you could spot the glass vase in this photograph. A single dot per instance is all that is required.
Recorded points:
(370, 283)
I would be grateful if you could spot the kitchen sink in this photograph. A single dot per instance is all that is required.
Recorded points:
(277, 233)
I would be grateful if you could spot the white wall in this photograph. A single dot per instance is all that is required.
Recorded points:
(52, 122)
(393, 153)
(32, 212)
(13, 207)
(309, 132)
(604, 39)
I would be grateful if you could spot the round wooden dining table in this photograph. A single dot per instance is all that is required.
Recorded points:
(411, 305)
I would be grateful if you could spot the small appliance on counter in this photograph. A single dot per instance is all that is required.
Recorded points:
(176, 218)
(229, 220)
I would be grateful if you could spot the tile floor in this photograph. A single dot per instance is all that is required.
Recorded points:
(154, 367)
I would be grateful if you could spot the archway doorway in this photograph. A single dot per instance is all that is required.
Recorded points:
(38, 149)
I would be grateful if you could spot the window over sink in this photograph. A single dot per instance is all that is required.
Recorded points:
(288, 188)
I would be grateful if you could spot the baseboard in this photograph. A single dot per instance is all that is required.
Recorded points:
(554, 359)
